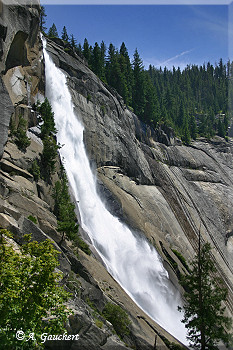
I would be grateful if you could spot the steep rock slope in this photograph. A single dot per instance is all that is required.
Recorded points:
(20, 61)
(160, 187)
(22, 197)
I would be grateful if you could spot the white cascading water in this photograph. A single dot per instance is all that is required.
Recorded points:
(129, 258)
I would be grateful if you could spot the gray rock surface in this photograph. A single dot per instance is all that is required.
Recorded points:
(6, 109)
(158, 186)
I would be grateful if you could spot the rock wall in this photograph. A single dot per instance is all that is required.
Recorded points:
(21, 71)
(160, 187)
(22, 196)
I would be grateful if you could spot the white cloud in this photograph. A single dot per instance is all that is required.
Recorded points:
(175, 57)
(175, 61)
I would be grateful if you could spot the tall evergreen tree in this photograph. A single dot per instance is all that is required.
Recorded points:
(73, 42)
(64, 34)
(193, 128)
(42, 19)
(203, 311)
(96, 63)
(221, 130)
(126, 69)
(86, 50)
(185, 130)
(52, 33)
(139, 85)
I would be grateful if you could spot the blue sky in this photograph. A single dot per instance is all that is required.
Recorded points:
(164, 35)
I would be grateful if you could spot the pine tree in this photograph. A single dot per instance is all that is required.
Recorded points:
(42, 19)
(181, 115)
(185, 131)
(139, 85)
(86, 50)
(64, 34)
(95, 59)
(203, 311)
(73, 42)
(193, 127)
(150, 103)
(52, 33)
(221, 130)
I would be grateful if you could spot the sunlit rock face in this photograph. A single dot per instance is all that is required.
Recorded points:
(164, 189)
(21, 70)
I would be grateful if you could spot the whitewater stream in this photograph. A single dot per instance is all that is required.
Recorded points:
(129, 258)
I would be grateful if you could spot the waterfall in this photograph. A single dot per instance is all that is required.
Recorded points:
(129, 258)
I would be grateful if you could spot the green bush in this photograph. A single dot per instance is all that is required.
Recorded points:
(35, 170)
(118, 318)
(30, 293)
(82, 245)
(181, 258)
(22, 141)
(88, 98)
(32, 218)
(98, 323)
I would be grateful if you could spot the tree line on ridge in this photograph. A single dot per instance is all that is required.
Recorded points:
(194, 102)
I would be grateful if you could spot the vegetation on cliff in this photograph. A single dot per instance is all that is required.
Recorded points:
(203, 310)
(19, 133)
(32, 300)
(118, 318)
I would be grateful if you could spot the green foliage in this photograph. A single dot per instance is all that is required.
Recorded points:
(64, 34)
(64, 209)
(185, 131)
(48, 157)
(82, 245)
(92, 305)
(203, 311)
(171, 345)
(33, 219)
(48, 133)
(73, 42)
(35, 170)
(22, 141)
(30, 293)
(42, 19)
(118, 318)
(53, 33)
(88, 98)
(12, 127)
(189, 100)
(73, 284)
(181, 258)
(98, 323)
(138, 85)
(47, 115)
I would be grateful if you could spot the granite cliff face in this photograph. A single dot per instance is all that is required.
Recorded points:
(21, 196)
(161, 188)
(21, 76)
